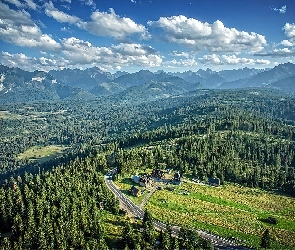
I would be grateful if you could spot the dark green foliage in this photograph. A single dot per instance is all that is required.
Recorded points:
(148, 228)
(129, 237)
(265, 239)
(59, 209)
(165, 243)
(237, 136)
(190, 239)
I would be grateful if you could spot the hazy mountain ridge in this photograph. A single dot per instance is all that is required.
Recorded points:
(157, 89)
(86, 79)
(17, 85)
(239, 74)
(287, 84)
(208, 78)
(264, 79)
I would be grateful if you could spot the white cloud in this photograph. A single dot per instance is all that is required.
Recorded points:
(31, 4)
(289, 29)
(79, 53)
(31, 63)
(215, 37)
(101, 24)
(230, 60)
(16, 27)
(180, 63)
(89, 3)
(284, 52)
(180, 54)
(17, 3)
(287, 43)
(288, 50)
(28, 4)
(60, 16)
(211, 59)
(282, 10)
(110, 24)
(83, 52)
(234, 60)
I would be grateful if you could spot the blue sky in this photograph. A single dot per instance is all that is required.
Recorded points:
(129, 35)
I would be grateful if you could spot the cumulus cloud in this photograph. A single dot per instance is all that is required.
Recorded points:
(289, 29)
(215, 37)
(110, 24)
(16, 27)
(180, 63)
(101, 24)
(60, 16)
(211, 59)
(76, 53)
(83, 52)
(230, 60)
(284, 52)
(180, 54)
(289, 44)
(281, 10)
(31, 63)
(234, 60)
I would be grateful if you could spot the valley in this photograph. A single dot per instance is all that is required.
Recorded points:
(245, 138)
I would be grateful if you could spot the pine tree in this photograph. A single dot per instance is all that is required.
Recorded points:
(175, 244)
(265, 239)
(148, 228)
(128, 236)
(165, 244)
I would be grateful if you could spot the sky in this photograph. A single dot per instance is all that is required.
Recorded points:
(130, 35)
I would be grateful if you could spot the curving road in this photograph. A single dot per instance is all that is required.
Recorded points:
(217, 241)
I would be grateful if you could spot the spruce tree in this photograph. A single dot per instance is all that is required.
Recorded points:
(265, 239)
(148, 228)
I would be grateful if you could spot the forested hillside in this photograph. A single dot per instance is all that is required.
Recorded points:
(54, 155)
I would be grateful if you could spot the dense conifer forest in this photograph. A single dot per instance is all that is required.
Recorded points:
(58, 200)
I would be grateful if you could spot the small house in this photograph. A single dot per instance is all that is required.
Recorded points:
(214, 182)
(135, 178)
(146, 181)
(135, 191)
(158, 173)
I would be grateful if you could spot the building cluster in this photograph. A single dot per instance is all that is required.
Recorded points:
(147, 180)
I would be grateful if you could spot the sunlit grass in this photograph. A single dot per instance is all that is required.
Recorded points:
(8, 115)
(125, 185)
(39, 152)
(229, 210)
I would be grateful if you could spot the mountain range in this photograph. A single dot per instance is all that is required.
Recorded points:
(17, 85)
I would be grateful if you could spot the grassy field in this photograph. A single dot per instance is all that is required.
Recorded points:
(8, 115)
(41, 153)
(125, 185)
(113, 226)
(228, 210)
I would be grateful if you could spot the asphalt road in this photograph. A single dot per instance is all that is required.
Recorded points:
(217, 241)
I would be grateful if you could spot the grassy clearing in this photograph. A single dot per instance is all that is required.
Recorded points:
(113, 226)
(231, 211)
(125, 185)
(41, 153)
(8, 115)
